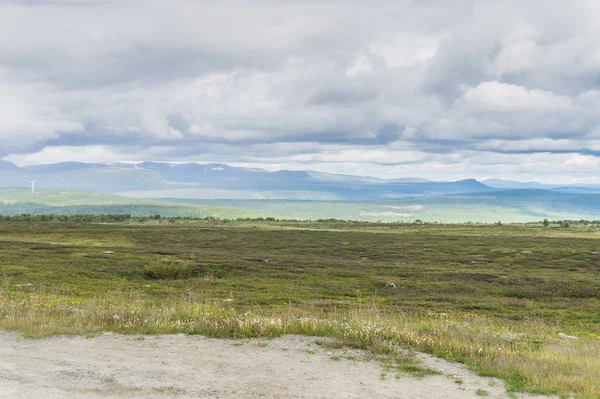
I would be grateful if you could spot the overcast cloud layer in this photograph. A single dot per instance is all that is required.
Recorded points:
(439, 89)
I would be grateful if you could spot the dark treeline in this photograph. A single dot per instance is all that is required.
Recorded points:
(128, 218)
(109, 218)
(121, 218)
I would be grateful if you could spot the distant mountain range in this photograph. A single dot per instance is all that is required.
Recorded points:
(509, 184)
(220, 181)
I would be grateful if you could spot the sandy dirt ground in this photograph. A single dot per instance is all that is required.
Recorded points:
(178, 366)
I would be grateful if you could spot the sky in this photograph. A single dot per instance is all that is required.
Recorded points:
(439, 89)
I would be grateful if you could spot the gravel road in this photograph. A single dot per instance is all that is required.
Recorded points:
(178, 366)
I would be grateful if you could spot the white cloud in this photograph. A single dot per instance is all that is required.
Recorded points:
(406, 49)
(338, 86)
(539, 145)
(92, 154)
(503, 97)
(362, 64)
(518, 52)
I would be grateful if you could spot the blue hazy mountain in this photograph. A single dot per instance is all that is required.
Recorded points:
(289, 194)
(8, 167)
(64, 167)
(215, 180)
(154, 179)
(510, 184)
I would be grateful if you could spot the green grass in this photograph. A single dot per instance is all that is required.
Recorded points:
(406, 364)
(493, 297)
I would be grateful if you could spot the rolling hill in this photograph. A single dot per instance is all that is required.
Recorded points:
(506, 206)
(17, 200)
(192, 180)
(225, 191)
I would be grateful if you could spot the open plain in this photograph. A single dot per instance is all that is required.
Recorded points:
(520, 303)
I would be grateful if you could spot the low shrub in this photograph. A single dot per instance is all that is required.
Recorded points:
(165, 269)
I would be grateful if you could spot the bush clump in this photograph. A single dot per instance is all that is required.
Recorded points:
(165, 269)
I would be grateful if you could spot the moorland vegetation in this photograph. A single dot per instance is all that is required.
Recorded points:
(519, 302)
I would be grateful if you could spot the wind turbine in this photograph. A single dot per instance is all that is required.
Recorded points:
(32, 186)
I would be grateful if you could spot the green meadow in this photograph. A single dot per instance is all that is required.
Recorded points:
(519, 302)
